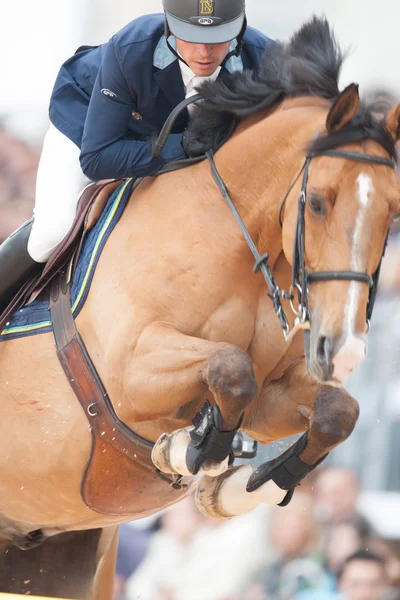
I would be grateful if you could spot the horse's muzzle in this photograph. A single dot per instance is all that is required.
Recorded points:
(332, 360)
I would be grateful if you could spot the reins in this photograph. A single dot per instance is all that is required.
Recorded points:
(300, 277)
(261, 264)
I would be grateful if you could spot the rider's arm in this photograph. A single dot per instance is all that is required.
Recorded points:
(105, 152)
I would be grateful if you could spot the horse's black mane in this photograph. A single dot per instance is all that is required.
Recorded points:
(309, 65)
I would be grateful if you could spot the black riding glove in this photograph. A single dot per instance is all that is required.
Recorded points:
(193, 145)
(205, 133)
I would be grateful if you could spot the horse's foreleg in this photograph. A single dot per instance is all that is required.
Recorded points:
(103, 588)
(205, 446)
(335, 416)
(172, 370)
(332, 420)
(291, 405)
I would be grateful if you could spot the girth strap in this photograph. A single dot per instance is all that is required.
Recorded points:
(86, 382)
(117, 453)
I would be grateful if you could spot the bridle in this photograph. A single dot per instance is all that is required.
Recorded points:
(300, 277)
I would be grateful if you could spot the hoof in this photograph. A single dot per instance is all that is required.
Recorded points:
(169, 452)
(225, 496)
(169, 455)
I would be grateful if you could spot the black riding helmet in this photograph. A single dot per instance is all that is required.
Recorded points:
(206, 21)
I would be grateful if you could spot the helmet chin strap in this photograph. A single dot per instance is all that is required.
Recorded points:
(236, 52)
(239, 46)
(167, 34)
(178, 56)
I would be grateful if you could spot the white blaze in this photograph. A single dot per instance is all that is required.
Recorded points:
(352, 351)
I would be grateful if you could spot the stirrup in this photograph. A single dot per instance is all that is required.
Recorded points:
(17, 271)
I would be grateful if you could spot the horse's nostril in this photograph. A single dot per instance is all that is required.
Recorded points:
(324, 351)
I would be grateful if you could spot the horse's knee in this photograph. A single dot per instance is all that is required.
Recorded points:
(230, 376)
(335, 416)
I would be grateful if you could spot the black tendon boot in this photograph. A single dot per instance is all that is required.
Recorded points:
(16, 266)
(287, 470)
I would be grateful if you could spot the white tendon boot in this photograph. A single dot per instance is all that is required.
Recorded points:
(169, 455)
(225, 496)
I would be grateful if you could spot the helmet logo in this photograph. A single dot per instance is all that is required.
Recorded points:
(206, 7)
(204, 21)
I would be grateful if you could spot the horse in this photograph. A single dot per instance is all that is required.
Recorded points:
(178, 316)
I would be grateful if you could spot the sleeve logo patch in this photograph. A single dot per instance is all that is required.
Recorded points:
(108, 93)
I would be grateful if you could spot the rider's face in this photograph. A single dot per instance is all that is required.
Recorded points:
(203, 59)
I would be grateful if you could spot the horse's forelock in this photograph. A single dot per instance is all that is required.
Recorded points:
(364, 126)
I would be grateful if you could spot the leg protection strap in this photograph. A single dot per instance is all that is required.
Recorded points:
(16, 266)
(208, 439)
(287, 470)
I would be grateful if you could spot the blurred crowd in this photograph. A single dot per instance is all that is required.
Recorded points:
(18, 166)
(320, 547)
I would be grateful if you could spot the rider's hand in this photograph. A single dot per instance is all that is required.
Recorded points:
(201, 135)
(192, 145)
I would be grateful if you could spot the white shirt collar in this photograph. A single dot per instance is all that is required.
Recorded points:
(187, 73)
(191, 80)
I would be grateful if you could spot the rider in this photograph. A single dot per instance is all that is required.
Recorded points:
(107, 106)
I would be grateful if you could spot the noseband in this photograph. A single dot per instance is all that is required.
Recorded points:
(300, 277)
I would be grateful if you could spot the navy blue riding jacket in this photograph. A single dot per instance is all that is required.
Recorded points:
(111, 100)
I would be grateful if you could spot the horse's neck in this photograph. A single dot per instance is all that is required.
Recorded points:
(261, 161)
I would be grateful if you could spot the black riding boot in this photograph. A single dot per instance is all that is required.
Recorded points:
(16, 266)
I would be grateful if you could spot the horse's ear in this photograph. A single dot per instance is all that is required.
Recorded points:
(393, 123)
(344, 109)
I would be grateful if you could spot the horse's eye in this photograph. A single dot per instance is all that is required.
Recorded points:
(317, 205)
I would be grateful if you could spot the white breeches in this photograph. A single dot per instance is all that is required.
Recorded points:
(59, 184)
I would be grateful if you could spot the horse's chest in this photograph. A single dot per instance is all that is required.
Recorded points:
(268, 348)
(233, 323)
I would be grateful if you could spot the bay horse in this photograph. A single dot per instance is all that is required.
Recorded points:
(176, 316)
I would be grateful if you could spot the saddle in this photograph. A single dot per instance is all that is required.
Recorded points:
(90, 207)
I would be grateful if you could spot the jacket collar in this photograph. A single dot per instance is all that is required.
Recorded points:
(170, 81)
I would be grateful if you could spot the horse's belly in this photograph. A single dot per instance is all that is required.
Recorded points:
(45, 442)
(45, 446)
